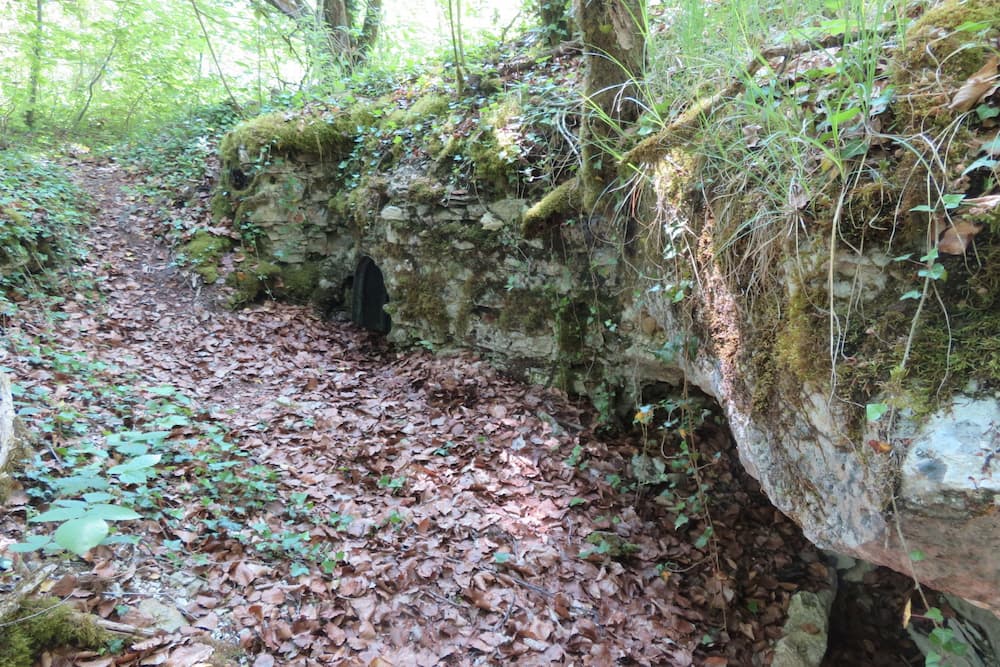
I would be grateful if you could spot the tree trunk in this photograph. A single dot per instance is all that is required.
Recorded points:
(337, 21)
(613, 33)
(6, 422)
(36, 67)
(370, 28)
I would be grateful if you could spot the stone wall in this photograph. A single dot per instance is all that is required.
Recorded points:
(868, 418)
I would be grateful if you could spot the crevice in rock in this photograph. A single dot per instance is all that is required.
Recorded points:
(369, 297)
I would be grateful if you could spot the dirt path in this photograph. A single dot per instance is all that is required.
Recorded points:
(325, 499)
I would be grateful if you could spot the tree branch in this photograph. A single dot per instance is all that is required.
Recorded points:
(222, 76)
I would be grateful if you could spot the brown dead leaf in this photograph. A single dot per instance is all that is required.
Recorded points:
(976, 87)
(64, 586)
(956, 239)
(273, 596)
(185, 656)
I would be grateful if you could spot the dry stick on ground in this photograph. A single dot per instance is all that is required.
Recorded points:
(683, 128)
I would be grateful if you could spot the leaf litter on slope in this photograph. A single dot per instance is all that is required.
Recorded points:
(331, 500)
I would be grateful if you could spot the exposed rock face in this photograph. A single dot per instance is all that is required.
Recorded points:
(795, 323)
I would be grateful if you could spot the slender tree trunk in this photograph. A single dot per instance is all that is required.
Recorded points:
(370, 28)
(455, 23)
(36, 67)
(93, 82)
(337, 20)
(613, 34)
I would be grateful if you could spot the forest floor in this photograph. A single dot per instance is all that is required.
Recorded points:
(324, 498)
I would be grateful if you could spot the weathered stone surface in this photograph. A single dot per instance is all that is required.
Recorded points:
(777, 334)
(806, 630)
(954, 455)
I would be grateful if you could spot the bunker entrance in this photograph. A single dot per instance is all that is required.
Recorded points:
(369, 297)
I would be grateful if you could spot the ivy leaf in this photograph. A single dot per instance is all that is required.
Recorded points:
(874, 411)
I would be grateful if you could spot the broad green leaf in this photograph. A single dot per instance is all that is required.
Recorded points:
(31, 543)
(112, 513)
(703, 540)
(912, 294)
(917, 555)
(80, 483)
(501, 557)
(934, 272)
(983, 162)
(138, 463)
(973, 26)
(843, 116)
(952, 201)
(874, 411)
(97, 497)
(985, 111)
(81, 535)
(935, 615)
(992, 147)
(70, 502)
(59, 514)
(923, 208)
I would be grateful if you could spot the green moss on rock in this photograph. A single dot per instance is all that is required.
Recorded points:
(327, 133)
(41, 624)
(527, 310)
(429, 107)
(299, 282)
(945, 41)
(203, 251)
(564, 200)
(420, 298)
(252, 281)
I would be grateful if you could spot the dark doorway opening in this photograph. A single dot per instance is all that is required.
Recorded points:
(369, 297)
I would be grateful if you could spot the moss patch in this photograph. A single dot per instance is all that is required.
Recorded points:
(327, 133)
(299, 282)
(252, 281)
(556, 205)
(421, 299)
(45, 623)
(948, 40)
(203, 251)
(527, 310)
